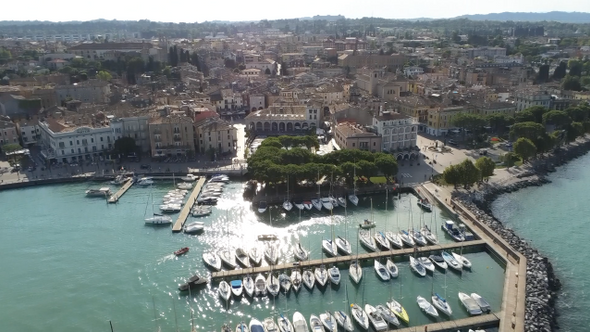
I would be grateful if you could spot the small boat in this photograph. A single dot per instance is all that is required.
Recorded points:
(207, 200)
(329, 321)
(425, 306)
(158, 219)
(334, 275)
(406, 238)
(285, 282)
(260, 285)
(285, 324)
(438, 261)
(344, 321)
(271, 253)
(470, 304)
(427, 263)
(330, 248)
(379, 324)
(366, 224)
(242, 257)
(353, 199)
(272, 285)
(381, 271)
(219, 178)
(454, 232)
(317, 203)
(355, 271)
(270, 325)
(262, 206)
(248, 284)
(120, 179)
(299, 252)
(419, 239)
(256, 326)
(316, 324)
(201, 211)
(461, 259)
(225, 328)
(308, 279)
(299, 205)
(184, 185)
(428, 235)
(341, 201)
(321, 275)
(236, 287)
(417, 266)
(189, 178)
(343, 246)
(181, 251)
(398, 311)
(193, 282)
(391, 268)
(228, 259)
(242, 327)
(360, 316)
(441, 304)
(451, 261)
(212, 260)
(327, 203)
(296, 279)
(308, 205)
(387, 315)
(145, 182)
(224, 290)
(367, 240)
(299, 323)
(102, 192)
(381, 241)
(267, 237)
(481, 302)
(255, 255)
(425, 205)
(170, 208)
(394, 240)
(287, 205)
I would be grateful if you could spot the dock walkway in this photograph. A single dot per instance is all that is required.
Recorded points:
(115, 197)
(475, 322)
(469, 246)
(186, 209)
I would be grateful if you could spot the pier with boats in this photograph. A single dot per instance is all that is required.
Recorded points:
(186, 209)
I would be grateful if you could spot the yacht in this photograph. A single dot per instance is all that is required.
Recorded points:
(355, 271)
(417, 266)
(296, 280)
(316, 324)
(193, 228)
(256, 326)
(381, 241)
(242, 257)
(451, 261)
(461, 259)
(317, 203)
(481, 302)
(381, 271)
(299, 323)
(287, 205)
(398, 311)
(334, 275)
(285, 282)
(260, 285)
(299, 205)
(299, 252)
(343, 246)
(145, 182)
(379, 324)
(158, 219)
(327, 203)
(391, 268)
(454, 232)
(470, 304)
(360, 316)
(262, 207)
(308, 279)
(330, 248)
(387, 315)
(236, 287)
(427, 263)
(189, 178)
(406, 238)
(441, 304)
(344, 320)
(367, 240)
(321, 275)
(184, 185)
(102, 192)
(255, 256)
(425, 306)
(308, 205)
(248, 284)
(212, 260)
(438, 261)
(224, 290)
(395, 241)
(329, 321)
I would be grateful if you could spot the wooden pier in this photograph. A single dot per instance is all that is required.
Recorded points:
(469, 246)
(115, 197)
(475, 322)
(186, 209)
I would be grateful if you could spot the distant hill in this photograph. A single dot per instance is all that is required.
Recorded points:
(564, 17)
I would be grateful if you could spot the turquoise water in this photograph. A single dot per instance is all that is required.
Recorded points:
(73, 263)
(554, 218)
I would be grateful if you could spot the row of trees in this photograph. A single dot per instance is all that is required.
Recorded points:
(467, 173)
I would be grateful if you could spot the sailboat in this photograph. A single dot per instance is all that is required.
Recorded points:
(438, 261)
(329, 321)
(334, 275)
(417, 266)
(272, 284)
(355, 271)
(425, 306)
(387, 315)
(360, 316)
(308, 205)
(344, 320)
(316, 324)
(352, 197)
(224, 290)
(393, 238)
(329, 246)
(308, 279)
(299, 205)
(271, 254)
(381, 271)
(381, 241)
(285, 324)
(255, 256)
(461, 259)
(321, 275)
(299, 252)
(287, 205)
(415, 234)
(391, 268)
(156, 218)
(227, 257)
(470, 304)
(248, 284)
(285, 282)
(427, 232)
(212, 260)
(256, 326)
(440, 302)
(406, 238)
(242, 327)
(427, 263)
(451, 261)
(317, 202)
(242, 257)
(365, 236)
(342, 243)
(379, 324)
(398, 310)
(296, 279)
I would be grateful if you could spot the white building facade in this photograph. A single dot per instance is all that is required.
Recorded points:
(72, 144)
(398, 131)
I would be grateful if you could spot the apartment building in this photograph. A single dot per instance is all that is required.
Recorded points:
(171, 135)
(8, 132)
(349, 135)
(398, 131)
(215, 134)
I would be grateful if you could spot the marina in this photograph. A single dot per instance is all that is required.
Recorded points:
(116, 196)
(186, 209)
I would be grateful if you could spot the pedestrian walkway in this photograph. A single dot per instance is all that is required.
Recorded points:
(405, 175)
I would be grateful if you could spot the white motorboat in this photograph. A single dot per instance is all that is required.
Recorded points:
(228, 258)
(334, 275)
(270, 325)
(170, 208)
(355, 271)
(285, 324)
(387, 314)
(353, 199)
(367, 224)
(367, 240)
(344, 320)
(360, 316)
(158, 219)
(262, 206)
(451, 261)
(201, 211)
(219, 178)
(189, 178)
(419, 239)
(224, 290)
(470, 304)
(119, 180)
(425, 306)
(308, 279)
(260, 285)
(425, 205)
(417, 266)
(330, 248)
(327, 203)
(271, 253)
(379, 324)
(391, 268)
(334, 201)
(242, 327)
(242, 258)
(317, 203)
(308, 205)
(341, 201)
(236, 287)
(381, 241)
(299, 252)
(212, 260)
(343, 246)
(256, 326)
(296, 280)
(299, 323)
(316, 324)
(438, 261)
(481, 302)
(299, 205)
(329, 321)
(398, 311)
(395, 241)
(427, 263)
(193, 228)
(428, 235)
(454, 232)
(381, 271)
(441, 304)
(321, 275)
(101, 192)
(287, 205)
(406, 238)
(255, 255)
(145, 182)
(461, 259)
(184, 185)
(285, 282)
(248, 284)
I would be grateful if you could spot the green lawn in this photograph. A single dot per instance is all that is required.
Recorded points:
(378, 179)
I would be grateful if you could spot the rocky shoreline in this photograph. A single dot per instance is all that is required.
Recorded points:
(542, 284)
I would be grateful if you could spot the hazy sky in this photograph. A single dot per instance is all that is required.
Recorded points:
(233, 10)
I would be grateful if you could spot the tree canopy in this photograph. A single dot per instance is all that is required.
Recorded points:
(525, 148)
(486, 166)
(125, 146)
(465, 174)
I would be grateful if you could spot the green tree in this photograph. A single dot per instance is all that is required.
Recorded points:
(510, 158)
(530, 130)
(560, 71)
(272, 141)
(469, 174)
(486, 166)
(5, 55)
(524, 148)
(125, 146)
(575, 130)
(11, 147)
(104, 75)
(537, 112)
(571, 83)
(577, 114)
(556, 118)
(575, 66)
(451, 175)
(386, 164)
(499, 122)
(524, 116)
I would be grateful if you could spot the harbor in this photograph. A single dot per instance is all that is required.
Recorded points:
(186, 209)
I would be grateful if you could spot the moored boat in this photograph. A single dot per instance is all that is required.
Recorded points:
(355, 271)
(285, 282)
(441, 304)
(381, 241)
(406, 238)
(299, 205)
(387, 315)
(299, 322)
(224, 290)
(454, 232)
(193, 282)
(260, 285)
(287, 205)
(256, 326)
(398, 310)
(425, 205)
(296, 280)
(344, 320)
(262, 206)
(329, 321)
(330, 248)
(272, 284)
(343, 246)
(427, 263)
(236, 287)
(470, 304)
(391, 268)
(451, 261)
(248, 284)
(334, 275)
(255, 255)
(321, 275)
(394, 240)
(317, 203)
(438, 261)
(379, 324)
(242, 257)
(381, 271)
(360, 316)
(270, 325)
(101, 192)
(425, 306)
(212, 260)
(299, 252)
(367, 240)
(308, 279)
(315, 324)
(461, 259)
(417, 267)
(242, 327)
(481, 302)
(308, 205)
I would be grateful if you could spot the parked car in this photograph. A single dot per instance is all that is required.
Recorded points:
(145, 166)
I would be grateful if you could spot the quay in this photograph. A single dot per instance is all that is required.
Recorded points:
(115, 197)
(186, 209)
(469, 246)
(475, 322)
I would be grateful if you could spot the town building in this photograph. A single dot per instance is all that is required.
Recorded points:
(171, 134)
(398, 131)
(8, 132)
(531, 97)
(349, 135)
(214, 134)
(91, 91)
(135, 127)
(29, 131)
(284, 117)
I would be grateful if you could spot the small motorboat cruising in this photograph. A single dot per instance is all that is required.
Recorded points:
(104, 192)
(366, 224)
(470, 304)
(299, 252)
(181, 251)
(425, 306)
(379, 324)
(381, 271)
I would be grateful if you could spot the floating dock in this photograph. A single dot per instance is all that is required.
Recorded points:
(475, 322)
(426, 250)
(186, 209)
(115, 197)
